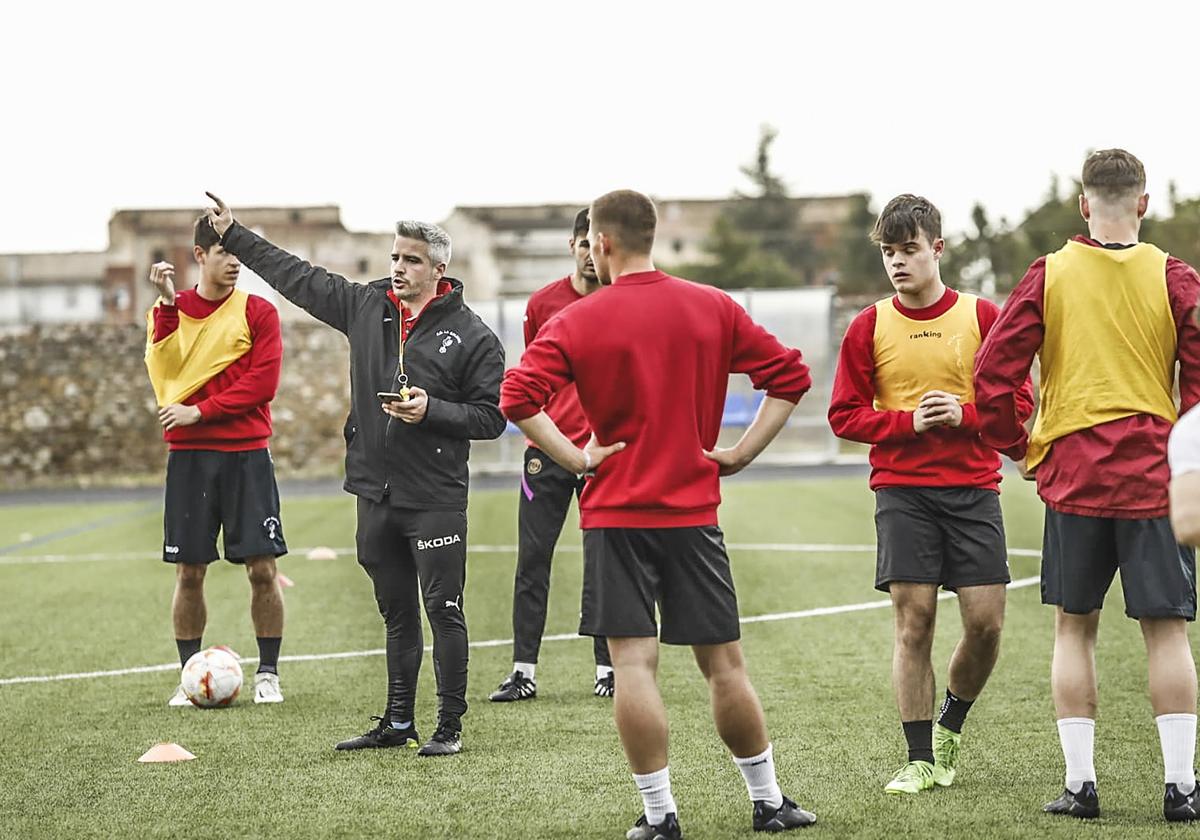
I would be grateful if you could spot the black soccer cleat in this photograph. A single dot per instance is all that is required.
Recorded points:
(1085, 805)
(605, 686)
(383, 735)
(516, 686)
(787, 816)
(1181, 807)
(445, 741)
(668, 829)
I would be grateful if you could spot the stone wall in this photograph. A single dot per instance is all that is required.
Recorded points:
(76, 406)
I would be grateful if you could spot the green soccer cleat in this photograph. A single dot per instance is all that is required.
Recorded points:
(945, 754)
(913, 777)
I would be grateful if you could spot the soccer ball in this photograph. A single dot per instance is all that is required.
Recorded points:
(212, 677)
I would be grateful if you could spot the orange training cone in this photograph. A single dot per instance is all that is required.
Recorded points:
(165, 752)
(284, 580)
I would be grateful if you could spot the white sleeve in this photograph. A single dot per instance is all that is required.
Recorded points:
(1183, 449)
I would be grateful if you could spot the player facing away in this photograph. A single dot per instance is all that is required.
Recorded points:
(214, 354)
(424, 382)
(652, 382)
(904, 385)
(546, 492)
(1109, 318)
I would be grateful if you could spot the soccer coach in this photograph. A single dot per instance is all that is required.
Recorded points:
(652, 384)
(425, 377)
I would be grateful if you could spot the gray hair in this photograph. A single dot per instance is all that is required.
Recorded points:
(432, 235)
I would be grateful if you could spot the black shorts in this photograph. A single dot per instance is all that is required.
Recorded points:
(952, 536)
(685, 571)
(1080, 555)
(232, 492)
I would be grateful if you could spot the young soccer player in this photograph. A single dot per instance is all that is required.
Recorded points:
(214, 355)
(546, 493)
(904, 385)
(652, 381)
(1109, 317)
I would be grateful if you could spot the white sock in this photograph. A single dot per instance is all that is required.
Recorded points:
(526, 669)
(656, 794)
(602, 671)
(1177, 734)
(759, 773)
(1077, 736)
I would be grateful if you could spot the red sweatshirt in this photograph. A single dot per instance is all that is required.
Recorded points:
(939, 457)
(1116, 470)
(651, 357)
(235, 405)
(564, 408)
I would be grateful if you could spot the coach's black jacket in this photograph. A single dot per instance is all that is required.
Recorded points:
(450, 353)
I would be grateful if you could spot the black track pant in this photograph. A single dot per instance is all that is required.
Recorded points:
(402, 549)
(546, 491)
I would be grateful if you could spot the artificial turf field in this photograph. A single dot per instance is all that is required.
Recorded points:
(80, 591)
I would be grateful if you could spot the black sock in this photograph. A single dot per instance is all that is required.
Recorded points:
(919, 734)
(954, 712)
(187, 649)
(268, 654)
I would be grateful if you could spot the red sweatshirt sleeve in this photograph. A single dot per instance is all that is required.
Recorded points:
(1183, 289)
(258, 384)
(987, 313)
(1003, 362)
(543, 371)
(166, 320)
(773, 368)
(852, 412)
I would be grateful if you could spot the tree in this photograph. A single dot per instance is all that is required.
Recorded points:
(860, 269)
(753, 241)
(738, 261)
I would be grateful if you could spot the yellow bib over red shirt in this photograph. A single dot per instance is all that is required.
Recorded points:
(180, 364)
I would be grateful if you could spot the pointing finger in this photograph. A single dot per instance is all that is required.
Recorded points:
(221, 208)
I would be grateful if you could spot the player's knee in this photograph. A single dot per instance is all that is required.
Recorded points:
(261, 572)
(1165, 633)
(984, 633)
(190, 576)
(915, 629)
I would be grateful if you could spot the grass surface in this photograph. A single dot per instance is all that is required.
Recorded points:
(547, 768)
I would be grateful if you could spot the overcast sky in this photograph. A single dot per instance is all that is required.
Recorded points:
(404, 110)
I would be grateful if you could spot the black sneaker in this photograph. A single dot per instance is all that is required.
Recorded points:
(445, 741)
(1181, 807)
(516, 686)
(605, 685)
(383, 735)
(1085, 805)
(787, 816)
(668, 829)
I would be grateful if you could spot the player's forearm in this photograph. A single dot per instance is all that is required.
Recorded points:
(772, 416)
(545, 435)
(864, 424)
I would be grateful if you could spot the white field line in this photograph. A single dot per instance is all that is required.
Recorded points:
(558, 637)
(804, 548)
